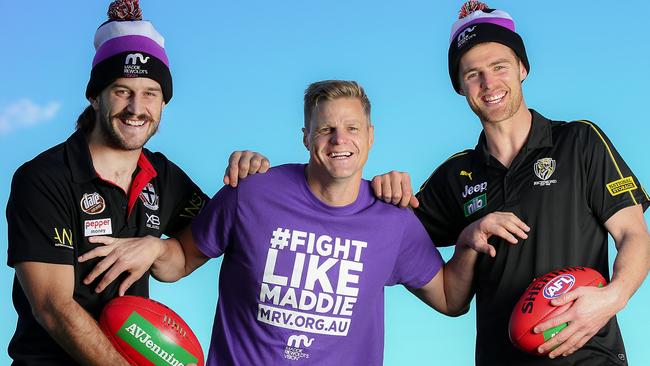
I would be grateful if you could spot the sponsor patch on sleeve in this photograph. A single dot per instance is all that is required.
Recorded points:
(621, 186)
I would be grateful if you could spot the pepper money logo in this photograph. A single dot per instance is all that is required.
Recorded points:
(294, 351)
(543, 169)
(92, 203)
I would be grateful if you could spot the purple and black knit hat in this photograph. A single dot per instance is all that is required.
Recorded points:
(128, 47)
(479, 24)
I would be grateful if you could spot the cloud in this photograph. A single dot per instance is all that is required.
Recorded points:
(25, 113)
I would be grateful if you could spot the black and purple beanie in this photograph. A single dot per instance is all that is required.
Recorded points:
(479, 24)
(128, 47)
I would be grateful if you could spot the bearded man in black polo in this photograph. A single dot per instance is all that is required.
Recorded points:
(101, 181)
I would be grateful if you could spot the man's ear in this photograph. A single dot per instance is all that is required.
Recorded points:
(94, 102)
(305, 138)
(523, 73)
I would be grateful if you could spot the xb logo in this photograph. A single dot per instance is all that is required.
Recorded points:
(152, 220)
(133, 58)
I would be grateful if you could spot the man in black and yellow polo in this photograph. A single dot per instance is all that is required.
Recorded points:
(564, 180)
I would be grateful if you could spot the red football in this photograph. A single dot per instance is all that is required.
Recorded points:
(147, 332)
(534, 306)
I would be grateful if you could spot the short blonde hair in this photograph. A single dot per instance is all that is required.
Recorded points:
(333, 89)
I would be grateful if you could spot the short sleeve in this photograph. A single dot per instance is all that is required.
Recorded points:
(418, 260)
(611, 185)
(39, 220)
(190, 199)
(213, 228)
(438, 211)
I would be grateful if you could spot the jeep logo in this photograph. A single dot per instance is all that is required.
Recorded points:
(470, 190)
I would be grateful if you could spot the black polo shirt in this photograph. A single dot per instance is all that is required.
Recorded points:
(564, 184)
(57, 201)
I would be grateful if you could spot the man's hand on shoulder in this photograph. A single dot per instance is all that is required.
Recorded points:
(242, 164)
(395, 188)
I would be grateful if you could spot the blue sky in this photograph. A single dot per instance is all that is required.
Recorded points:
(239, 72)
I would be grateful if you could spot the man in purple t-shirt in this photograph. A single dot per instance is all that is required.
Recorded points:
(308, 250)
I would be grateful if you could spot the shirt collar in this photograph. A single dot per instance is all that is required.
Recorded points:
(79, 159)
(81, 162)
(540, 136)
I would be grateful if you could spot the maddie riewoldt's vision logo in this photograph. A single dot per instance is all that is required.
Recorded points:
(543, 169)
(311, 282)
(465, 36)
(131, 67)
(294, 350)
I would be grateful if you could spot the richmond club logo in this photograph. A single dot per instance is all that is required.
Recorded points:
(543, 169)
(558, 286)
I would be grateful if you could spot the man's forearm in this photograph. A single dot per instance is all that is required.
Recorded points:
(631, 264)
(170, 265)
(78, 334)
(459, 274)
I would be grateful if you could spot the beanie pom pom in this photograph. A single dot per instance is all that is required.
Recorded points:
(470, 7)
(125, 10)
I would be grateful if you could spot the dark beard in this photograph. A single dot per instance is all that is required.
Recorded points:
(109, 133)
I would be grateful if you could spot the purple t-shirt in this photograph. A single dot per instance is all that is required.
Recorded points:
(302, 283)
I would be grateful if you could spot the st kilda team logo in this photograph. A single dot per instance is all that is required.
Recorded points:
(149, 197)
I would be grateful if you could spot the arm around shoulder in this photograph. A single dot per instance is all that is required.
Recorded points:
(179, 258)
(450, 291)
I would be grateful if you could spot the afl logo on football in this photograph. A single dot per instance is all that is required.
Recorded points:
(149, 197)
(92, 203)
(558, 286)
